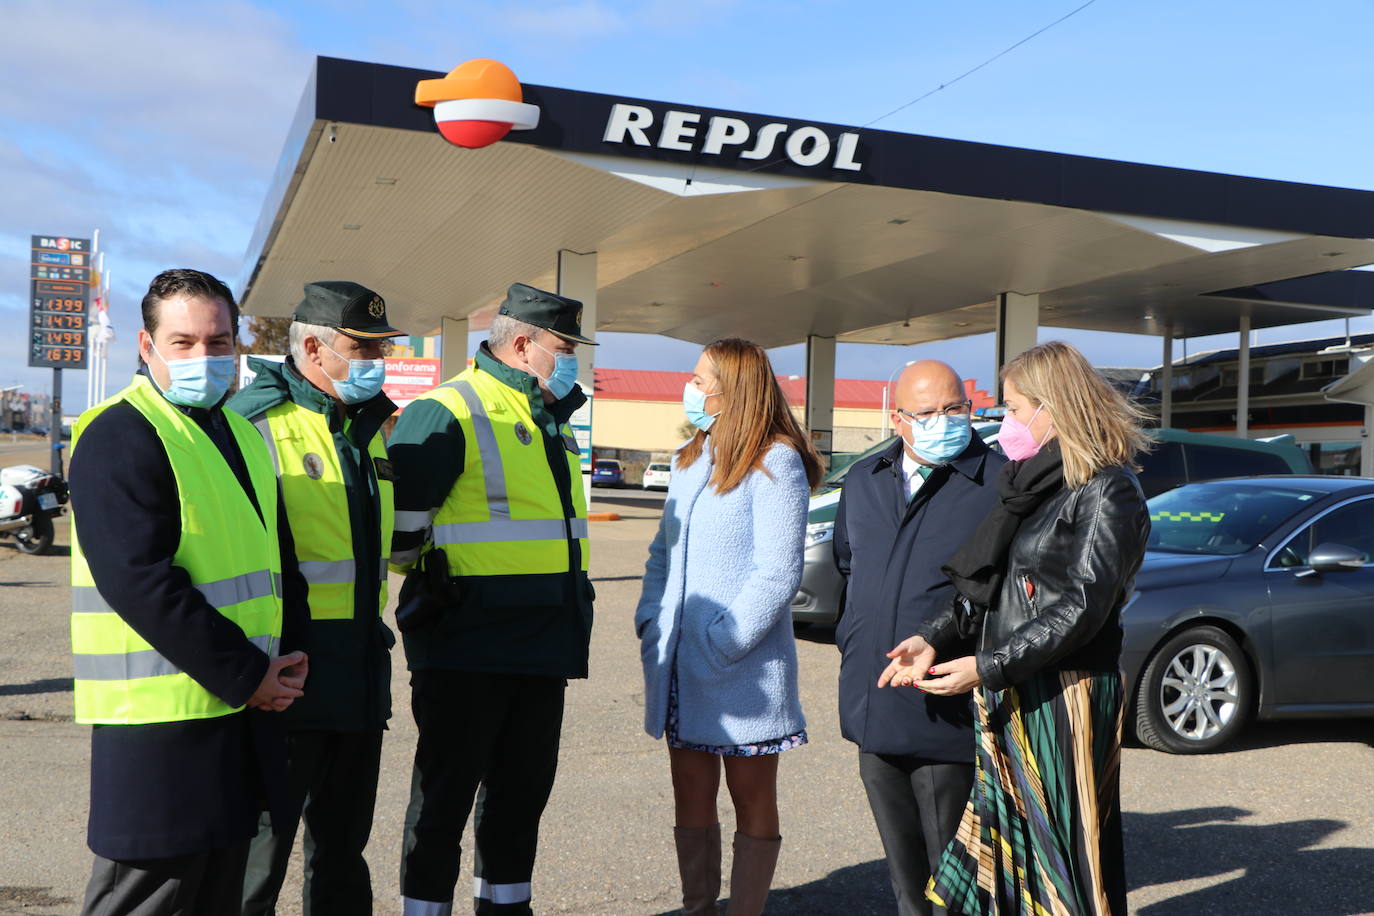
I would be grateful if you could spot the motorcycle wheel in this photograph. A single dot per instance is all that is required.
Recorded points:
(37, 538)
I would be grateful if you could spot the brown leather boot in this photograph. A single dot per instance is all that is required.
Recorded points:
(698, 862)
(751, 874)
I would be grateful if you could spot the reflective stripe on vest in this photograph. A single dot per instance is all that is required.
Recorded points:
(552, 529)
(234, 590)
(504, 515)
(147, 663)
(320, 507)
(229, 552)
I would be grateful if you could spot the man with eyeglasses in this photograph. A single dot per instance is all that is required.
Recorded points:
(902, 513)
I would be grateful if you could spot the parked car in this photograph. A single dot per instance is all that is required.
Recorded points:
(656, 476)
(1179, 456)
(1256, 598)
(606, 472)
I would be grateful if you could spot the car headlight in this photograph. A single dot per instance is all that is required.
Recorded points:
(819, 533)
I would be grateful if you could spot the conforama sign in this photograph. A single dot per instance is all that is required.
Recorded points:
(714, 135)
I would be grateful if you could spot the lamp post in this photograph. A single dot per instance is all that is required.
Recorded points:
(886, 389)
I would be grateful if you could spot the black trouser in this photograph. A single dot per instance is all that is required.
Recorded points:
(499, 731)
(917, 805)
(334, 776)
(204, 884)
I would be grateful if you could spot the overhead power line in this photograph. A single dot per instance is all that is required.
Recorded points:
(1002, 53)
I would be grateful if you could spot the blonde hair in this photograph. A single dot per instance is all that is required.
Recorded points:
(1097, 426)
(756, 415)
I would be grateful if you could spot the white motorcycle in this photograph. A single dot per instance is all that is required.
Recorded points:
(30, 498)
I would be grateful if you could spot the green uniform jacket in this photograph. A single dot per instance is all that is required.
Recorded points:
(349, 685)
(528, 635)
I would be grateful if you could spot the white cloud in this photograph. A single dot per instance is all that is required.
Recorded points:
(207, 86)
(158, 123)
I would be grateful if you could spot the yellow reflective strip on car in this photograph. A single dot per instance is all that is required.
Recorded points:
(1187, 516)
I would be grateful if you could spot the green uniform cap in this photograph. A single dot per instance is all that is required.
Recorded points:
(349, 307)
(550, 311)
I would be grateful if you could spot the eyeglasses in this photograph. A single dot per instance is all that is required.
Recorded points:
(925, 418)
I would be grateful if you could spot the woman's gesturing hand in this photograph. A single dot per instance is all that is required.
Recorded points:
(910, 660)
(952, 677)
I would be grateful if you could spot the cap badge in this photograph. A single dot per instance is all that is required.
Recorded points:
(375, 308)
(314, 466)
(522, 433)
(579, 319)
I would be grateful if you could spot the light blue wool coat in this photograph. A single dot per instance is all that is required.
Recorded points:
(717, 593)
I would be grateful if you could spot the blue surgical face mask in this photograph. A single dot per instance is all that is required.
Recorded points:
(564, 375)
(199, 381)
(694, 403)
(364, 380)
(943, 440)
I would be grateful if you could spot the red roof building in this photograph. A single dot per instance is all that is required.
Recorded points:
(653, 385)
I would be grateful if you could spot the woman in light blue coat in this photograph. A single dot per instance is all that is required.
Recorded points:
(714, 620)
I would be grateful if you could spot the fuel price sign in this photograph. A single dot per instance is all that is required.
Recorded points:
(59, 286)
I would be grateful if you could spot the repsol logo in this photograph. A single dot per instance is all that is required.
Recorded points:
(684, 131)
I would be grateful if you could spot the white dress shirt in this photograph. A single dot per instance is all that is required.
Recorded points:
(911, 473)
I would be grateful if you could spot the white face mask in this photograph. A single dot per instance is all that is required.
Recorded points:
(364, 379)
(197, 381)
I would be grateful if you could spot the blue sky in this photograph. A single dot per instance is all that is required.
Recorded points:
(161, 123)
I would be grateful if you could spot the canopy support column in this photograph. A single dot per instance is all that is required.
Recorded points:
(577, 280)
(1367, 443)
(453, 347)
(1243, 381)
(1166, 379)
(1018, 323)
(820, 393)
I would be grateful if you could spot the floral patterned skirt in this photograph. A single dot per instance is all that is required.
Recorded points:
(763, 748)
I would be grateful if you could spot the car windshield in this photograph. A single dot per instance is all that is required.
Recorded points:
(1222, 518)
(658, 467)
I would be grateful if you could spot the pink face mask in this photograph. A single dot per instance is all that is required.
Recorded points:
(1016, 440)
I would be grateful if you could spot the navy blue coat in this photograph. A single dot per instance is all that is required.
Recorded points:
(170, 789)
(891, 552)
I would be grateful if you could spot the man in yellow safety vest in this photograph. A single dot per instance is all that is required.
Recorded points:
(489, 489)
(186, 600)
(320, 414)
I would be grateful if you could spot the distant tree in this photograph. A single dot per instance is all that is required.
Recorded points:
(265, 335)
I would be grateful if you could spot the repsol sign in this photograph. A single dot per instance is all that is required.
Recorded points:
(733, 138)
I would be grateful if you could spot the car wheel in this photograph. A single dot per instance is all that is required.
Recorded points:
(37, 537)
(1195, 694)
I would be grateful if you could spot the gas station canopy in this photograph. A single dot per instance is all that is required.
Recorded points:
(711, 223)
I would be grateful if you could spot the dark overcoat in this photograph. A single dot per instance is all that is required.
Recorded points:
(891, 551)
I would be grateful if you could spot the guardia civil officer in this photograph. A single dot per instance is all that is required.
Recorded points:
(185, 601)
(488, 473)
(320, 414)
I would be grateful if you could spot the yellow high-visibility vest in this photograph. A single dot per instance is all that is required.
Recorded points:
(505, 515)
(231, 555)
(317, 506)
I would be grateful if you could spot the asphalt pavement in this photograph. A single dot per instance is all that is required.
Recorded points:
(1281, 824)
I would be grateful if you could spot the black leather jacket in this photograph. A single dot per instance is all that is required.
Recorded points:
(1070, 570)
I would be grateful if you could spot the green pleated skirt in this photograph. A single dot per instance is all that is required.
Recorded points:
(1041, 835)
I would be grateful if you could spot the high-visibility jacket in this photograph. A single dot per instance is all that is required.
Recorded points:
(318, 505)
(505, 514)
(231, 554)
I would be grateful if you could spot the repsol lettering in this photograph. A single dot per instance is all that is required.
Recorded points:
(684, 131)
